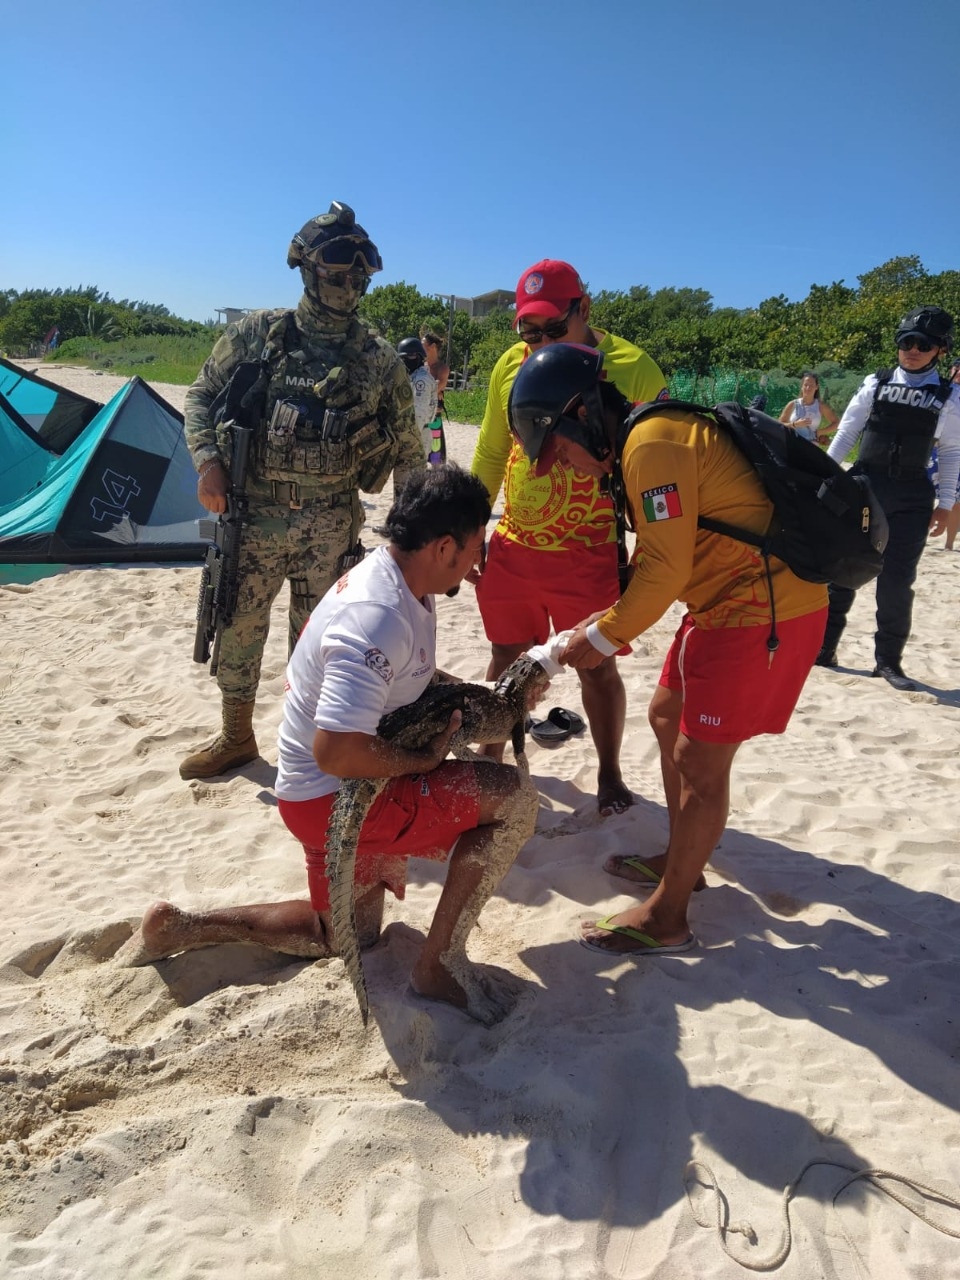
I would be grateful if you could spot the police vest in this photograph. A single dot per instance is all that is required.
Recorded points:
(898, 436)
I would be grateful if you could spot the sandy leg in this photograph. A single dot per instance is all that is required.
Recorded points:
(480, 861)
(293, 928)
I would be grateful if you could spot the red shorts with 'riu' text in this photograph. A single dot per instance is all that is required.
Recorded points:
(733, 689)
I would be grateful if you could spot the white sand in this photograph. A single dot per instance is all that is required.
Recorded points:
(224, 1114)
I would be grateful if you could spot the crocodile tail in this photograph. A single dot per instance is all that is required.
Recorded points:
(343, 833)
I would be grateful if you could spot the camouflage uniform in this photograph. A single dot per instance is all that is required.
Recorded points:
(305, 510)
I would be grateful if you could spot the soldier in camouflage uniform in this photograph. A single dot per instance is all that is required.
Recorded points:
(332, 414)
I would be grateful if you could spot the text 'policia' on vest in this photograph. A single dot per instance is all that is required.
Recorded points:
(898, 436)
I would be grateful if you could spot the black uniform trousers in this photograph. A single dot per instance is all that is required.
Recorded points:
(908, 506)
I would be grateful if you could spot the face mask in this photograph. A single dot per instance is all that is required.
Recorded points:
(336, 291)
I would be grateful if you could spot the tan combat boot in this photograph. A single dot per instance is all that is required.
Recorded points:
(233, 746)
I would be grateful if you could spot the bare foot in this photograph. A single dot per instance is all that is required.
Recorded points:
(482, 996)
(645, 872)
(292, 928)
(164, 931)
(613, 796)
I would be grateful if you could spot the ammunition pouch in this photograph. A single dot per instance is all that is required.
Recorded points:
(351, 558)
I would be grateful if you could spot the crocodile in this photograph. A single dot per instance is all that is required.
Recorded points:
(489, 715)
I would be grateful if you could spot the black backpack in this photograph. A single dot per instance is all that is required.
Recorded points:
(829, 527)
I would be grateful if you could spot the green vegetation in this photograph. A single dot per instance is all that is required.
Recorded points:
(468, 405)
(163, 358)
(95, 329)
(838, 331)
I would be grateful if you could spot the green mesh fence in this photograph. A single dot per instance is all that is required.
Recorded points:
(727, 384)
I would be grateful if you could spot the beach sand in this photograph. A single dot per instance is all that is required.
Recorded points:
(225, 1114)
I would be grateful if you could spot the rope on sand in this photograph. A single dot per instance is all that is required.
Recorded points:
(694, 1170)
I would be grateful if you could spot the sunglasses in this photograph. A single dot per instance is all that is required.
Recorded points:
(552, 330)
(343, 253)
(920, 344)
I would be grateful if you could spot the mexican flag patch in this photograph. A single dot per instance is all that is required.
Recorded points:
(662, 503)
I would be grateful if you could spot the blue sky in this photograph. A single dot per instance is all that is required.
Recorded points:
(168, 152)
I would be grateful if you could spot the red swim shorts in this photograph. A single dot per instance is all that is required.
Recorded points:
(731, 689)
(521, 589)
(421, 815)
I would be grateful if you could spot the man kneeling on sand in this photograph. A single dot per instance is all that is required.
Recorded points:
(368, 648)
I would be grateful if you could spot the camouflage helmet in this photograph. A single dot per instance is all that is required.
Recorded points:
(334, 240)
(336, 258)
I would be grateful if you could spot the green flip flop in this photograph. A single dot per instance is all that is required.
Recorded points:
(651, 947)
(638, 865)
(650, 879)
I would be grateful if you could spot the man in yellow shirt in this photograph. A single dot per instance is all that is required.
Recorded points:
(553, 556)
(745, 646)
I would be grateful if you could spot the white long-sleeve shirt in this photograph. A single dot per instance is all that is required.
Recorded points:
(424, 395)
(947, 434)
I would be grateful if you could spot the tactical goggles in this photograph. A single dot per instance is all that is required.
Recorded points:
(921, 344)
(343, 253)
(553, 330)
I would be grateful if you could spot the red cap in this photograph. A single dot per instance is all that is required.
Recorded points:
(547, 289)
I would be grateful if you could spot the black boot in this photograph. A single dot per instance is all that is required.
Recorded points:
(826, 658)
(892, 672)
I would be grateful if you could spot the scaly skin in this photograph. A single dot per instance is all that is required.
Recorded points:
(489, 715)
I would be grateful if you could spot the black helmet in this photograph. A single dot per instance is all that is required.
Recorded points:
(334, 240)
(932, 323)
(548, 382)
(412, 352)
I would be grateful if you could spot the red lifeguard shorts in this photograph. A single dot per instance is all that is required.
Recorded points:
(421, 815)
(732, 690)
(521, 589)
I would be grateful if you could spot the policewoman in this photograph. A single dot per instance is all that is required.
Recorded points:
(897, 416)
(331, 408)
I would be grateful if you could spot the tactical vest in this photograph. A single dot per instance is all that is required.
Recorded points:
(316, 423)
(898, 436)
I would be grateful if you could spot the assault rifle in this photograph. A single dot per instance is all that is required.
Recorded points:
(217, 601)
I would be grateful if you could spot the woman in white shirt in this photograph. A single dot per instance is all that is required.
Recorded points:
(806, 414)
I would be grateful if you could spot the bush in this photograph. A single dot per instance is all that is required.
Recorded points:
(172, 358)
(466, 406)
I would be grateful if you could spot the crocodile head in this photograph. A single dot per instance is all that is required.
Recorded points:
(523, 676)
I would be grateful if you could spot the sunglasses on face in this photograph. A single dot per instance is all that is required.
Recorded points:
(919, 344)
(552, 330)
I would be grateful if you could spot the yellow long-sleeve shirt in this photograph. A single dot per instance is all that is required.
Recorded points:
(563, 508)
(677, 467)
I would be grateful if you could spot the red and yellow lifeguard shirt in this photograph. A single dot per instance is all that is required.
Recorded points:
(563, 508)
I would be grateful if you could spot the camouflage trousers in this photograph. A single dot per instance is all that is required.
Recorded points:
(278, 544)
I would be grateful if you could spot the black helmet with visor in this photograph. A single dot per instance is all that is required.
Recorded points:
(412, 352)
(546, 395)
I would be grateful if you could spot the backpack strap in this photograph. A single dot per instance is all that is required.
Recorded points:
(623, 516)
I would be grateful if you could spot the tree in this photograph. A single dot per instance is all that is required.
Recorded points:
(496, 336)
(400, 310)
